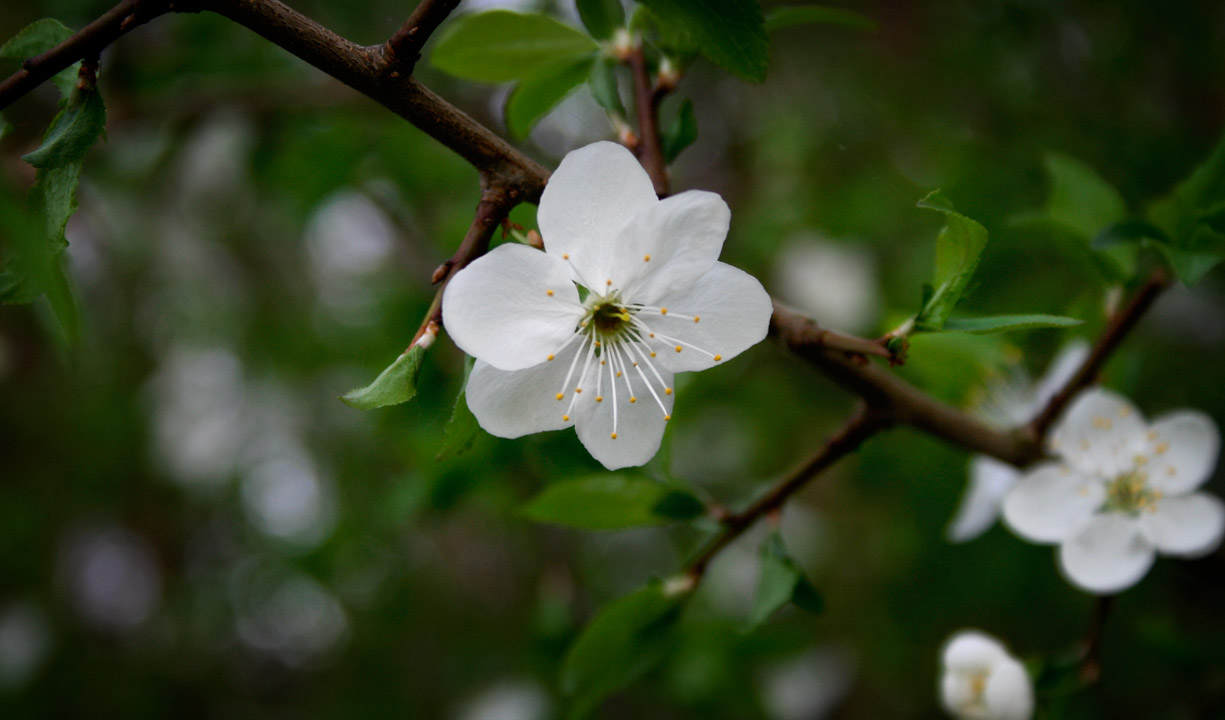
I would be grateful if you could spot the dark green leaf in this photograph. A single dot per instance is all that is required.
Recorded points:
(792, 15)
(807, 598)
(782, 581)
(1006, 323)
(1191, 216)
(624, 640)
(1204, 250)
(500, 46)
(35, 39)
(601, 17)
(958, 248)
(609, 502)
(396, 384)
(679, 505)
(603, 84)
(732, 33)
(460, 430)
(537, 94)
(72, 133)
(680, 133)
(1080, 199)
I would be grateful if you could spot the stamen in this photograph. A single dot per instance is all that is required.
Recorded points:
(680, 344)
(642, 354)
(697, 318)
(629, 388)
(549, 293)
(550, 358)
(647, 382)
(663, 311)
(573, 363)
(646, 258)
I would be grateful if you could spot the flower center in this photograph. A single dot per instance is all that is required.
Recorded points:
(1130, 494)
(609, 318)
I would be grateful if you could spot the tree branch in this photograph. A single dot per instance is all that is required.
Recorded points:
(646, 103)
(403, 49)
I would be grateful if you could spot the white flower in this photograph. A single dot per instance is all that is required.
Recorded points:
(589, 332)
(1122, 491)
(982, 681)
(1011, 403)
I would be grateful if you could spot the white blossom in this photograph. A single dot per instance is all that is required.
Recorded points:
(1010, 403)
(982, 681)
(1121, 491)
(589, 333)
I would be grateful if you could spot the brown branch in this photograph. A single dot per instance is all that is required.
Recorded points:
(646, 103)
(865, 423)
(87, 42)
(1119, 326)
(403, 49)
(1091, 663)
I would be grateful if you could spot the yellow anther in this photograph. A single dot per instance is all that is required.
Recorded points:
(667, 418)
(697, 318)
(678, 348)
(618, 373)
(608, 282)
(646, 258)
(663, 311)
(1161, 448)
(599, 398)
(1141, 460)
(1171, 471)
(565, 418)
(603, 362)
(667, 391)
(1102, 423)
(583, 324)
(718, 358)
(560, 396)
(652, 353)
(597, 343)
(613, 436)
(652, 334)
(1152, 435)
(550, 357)
(1124, 411)
(549, 293)
(565, 256)
(635, 364)
(633, 399)
(578, 390)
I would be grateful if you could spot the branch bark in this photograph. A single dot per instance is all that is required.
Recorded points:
(646, 103)
(404, 47)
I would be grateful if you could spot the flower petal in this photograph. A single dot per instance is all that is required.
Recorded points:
(1108, 555)
(1188, 526)
(1009, 693)
(591, 196)
(972, 651)
(665, 249)
(733, 313)
(639, 425)
(1051, 503)
(990, 481)
(513, 403)
(1100, 434)
(1183, 451)
(1063, 366)
(499, 309)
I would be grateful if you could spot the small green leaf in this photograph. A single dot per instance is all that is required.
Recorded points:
(37, 38)
(1191, 215)
(958, 248)
(610, 502)
(732, 33)
(601, 17)
(1080, 199)
(625, 639)
(1204, 250)
(782, 581)
(603, 84)
(460, 430)
(396, 384)
(680, 133)
(72, 132)
(1006, 323)
(500, 46)
(537, 94)
(785, 17)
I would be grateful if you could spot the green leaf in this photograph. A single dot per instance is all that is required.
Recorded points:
(601, 17)
(1201, 253)
(785, 17)
(611, 502)
(460, 430)
(732, 33)
(500, 46)
(680, 133)
(1005, 323)
(1080, 199)
(1190, 216)
(72, 132)
(537, 94)
(958, 248)
(603, 84)
(37, 38)
(396, 384)
(782, 581)
(624, 640)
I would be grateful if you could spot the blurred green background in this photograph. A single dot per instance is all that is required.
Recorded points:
(191, 524)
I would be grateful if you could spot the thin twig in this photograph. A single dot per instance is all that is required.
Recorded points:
(403, 49)
(646, 103)
(1091, 664)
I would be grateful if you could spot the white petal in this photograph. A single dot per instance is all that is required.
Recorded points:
(1110, 554)
(1100, 434)
(513, 403)
(1187, 526)
(640, 425)
(498, 309)
(1183, 451)
(591, 196)
(972, 651)
(990, 481)
(1051, 503)
(682, 237)
(733, 312)
(1009, 694)
(1063, 366)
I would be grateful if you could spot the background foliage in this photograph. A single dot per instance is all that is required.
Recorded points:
(191, 523)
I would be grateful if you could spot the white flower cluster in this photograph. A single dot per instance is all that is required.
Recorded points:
(982, 681)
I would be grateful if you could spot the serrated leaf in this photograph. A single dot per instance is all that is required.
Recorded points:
(609, 502)
(792, 15)
(625, 639)
(731, 33)
(72, 133)
(604, 87)
(537, 94)
(782, 581)
(396, 384)
(1007, 323)
(460, 431)
(680, 133)
(37, 38)
(601, 17)
(958, 248)
(1080, 199)
(500, 46)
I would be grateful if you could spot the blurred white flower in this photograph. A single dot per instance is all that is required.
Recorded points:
(507, 700)
(983, 681)
(286, 614)
(834, 283)
(111, 576)
(25, 639)
(808, 687)
(1122, 491)
(1011, 403)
